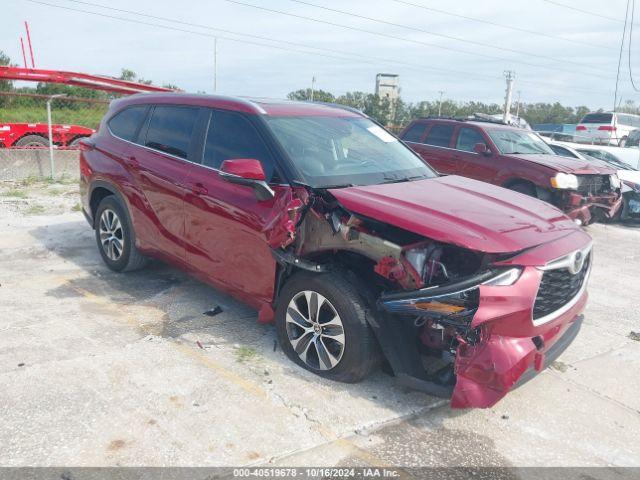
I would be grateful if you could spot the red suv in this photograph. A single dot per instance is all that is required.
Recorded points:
(344, 238)
(517, 159)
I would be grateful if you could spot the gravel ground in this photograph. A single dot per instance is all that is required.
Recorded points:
(105, 369)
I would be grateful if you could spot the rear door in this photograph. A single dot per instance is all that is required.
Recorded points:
(227, 228)
(436, 148)
(160, 168)
(469, 163)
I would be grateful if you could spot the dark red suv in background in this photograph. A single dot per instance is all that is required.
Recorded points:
(331, 228)
(517, 159)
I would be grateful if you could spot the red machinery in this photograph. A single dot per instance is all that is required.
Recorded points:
(37, 134)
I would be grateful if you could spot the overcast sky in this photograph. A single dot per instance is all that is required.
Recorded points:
(577, 67)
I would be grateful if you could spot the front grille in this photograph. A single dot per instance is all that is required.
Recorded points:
(593, 184)
(557, 288)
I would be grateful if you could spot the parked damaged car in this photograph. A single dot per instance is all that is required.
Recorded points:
(339, 234)
(628, 175)
(520, 160)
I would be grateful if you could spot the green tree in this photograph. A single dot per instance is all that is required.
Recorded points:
(318, 95)
(128, 75)
(5, 85)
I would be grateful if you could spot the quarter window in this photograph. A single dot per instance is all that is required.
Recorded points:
(126, 123)
(170, 129)
(414, 134)
(230, 136)
(467, 139)
(440, 135)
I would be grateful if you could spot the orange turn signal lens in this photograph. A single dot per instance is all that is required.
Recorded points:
(437, 307)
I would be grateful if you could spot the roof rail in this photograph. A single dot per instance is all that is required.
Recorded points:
(475, 117)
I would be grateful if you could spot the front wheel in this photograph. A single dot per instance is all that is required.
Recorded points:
(321, 326)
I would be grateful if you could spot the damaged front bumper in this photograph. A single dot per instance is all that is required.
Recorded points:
(585, 209)
(505, 341)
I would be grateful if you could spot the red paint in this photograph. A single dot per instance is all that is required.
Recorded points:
(504, 170)
(456, 210)
(244, 167)
(63, 135)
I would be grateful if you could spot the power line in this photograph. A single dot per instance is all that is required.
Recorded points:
(624, 33)
(359, 57)
(502, 25)
(633, 14)
(441, 35)
(586, 12)
(404, 39)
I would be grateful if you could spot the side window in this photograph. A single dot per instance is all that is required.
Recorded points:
(230, 135)
(563, 152)
(170, 129)
(126, 123)
(467, 138)
(414, 134)
(440, 135)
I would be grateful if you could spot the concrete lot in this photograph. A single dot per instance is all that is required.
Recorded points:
(105, 369)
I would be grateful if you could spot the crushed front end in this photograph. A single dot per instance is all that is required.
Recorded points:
(461, 309)
(591, 198)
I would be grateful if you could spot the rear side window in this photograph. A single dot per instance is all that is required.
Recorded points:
(170, 129)
(440, 135)
(126, 124)
(597, 118)
(634, 139)
(230, 136)
(467, 139)
(414, 134)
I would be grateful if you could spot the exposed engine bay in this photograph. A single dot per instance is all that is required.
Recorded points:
(425, 293)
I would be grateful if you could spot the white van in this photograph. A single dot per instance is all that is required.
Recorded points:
(606, 127)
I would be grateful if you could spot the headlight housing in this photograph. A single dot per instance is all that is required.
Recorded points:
(614, 181)
(564, 181)
(506, 278)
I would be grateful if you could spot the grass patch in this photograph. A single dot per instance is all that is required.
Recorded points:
(14, 193)
(35, 210)
(245, 354)
(55, 191)
(76, 208)
(30, 180)
(635, 336)
(560, 366)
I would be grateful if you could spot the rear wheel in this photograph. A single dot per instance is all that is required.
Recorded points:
(115, 236)
(321, 326)
(32, 141)
(622, 142)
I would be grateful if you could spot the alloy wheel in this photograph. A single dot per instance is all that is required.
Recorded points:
(315, 330)
(111, 235)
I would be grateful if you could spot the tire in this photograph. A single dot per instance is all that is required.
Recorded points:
(74, 143)
(32, 141)
(336, 295)
(622, 142)
(525, 188)
(113, 225)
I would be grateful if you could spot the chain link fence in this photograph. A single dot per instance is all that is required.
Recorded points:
(39, 134)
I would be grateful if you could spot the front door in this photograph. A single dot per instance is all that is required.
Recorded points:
(227, 228)
(471, 164)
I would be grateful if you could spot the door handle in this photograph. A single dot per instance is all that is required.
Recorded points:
(199, 189)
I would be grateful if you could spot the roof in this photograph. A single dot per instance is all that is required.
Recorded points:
(255, 106)
(478, 122)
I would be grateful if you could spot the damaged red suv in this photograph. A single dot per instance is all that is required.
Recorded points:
(344, 238)
(488, 150)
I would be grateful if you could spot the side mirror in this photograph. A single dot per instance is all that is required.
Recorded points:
(247, 172)
(481, 149)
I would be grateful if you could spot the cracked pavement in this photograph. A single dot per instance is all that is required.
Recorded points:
(106, 369)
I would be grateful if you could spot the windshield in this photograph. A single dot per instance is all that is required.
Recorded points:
(510, 142)
(340, 151)
(608, 158)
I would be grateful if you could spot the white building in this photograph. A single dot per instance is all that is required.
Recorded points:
(388, 85)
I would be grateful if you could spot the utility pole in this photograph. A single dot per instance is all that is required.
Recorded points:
(215, 64)
(313, 86)
(51, 163)
(518, 104)
(440, 103)
(510, 76)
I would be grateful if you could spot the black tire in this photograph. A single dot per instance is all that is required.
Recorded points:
(361, 353)
(32, 141)
(129, 258)
(622, 142)
(525, 188)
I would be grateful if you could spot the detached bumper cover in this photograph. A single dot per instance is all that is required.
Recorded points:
(580, 207)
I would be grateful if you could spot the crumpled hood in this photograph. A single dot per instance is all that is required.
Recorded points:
(567, 164)
(472, 214)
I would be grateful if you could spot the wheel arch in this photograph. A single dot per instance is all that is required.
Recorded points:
(101, 189)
